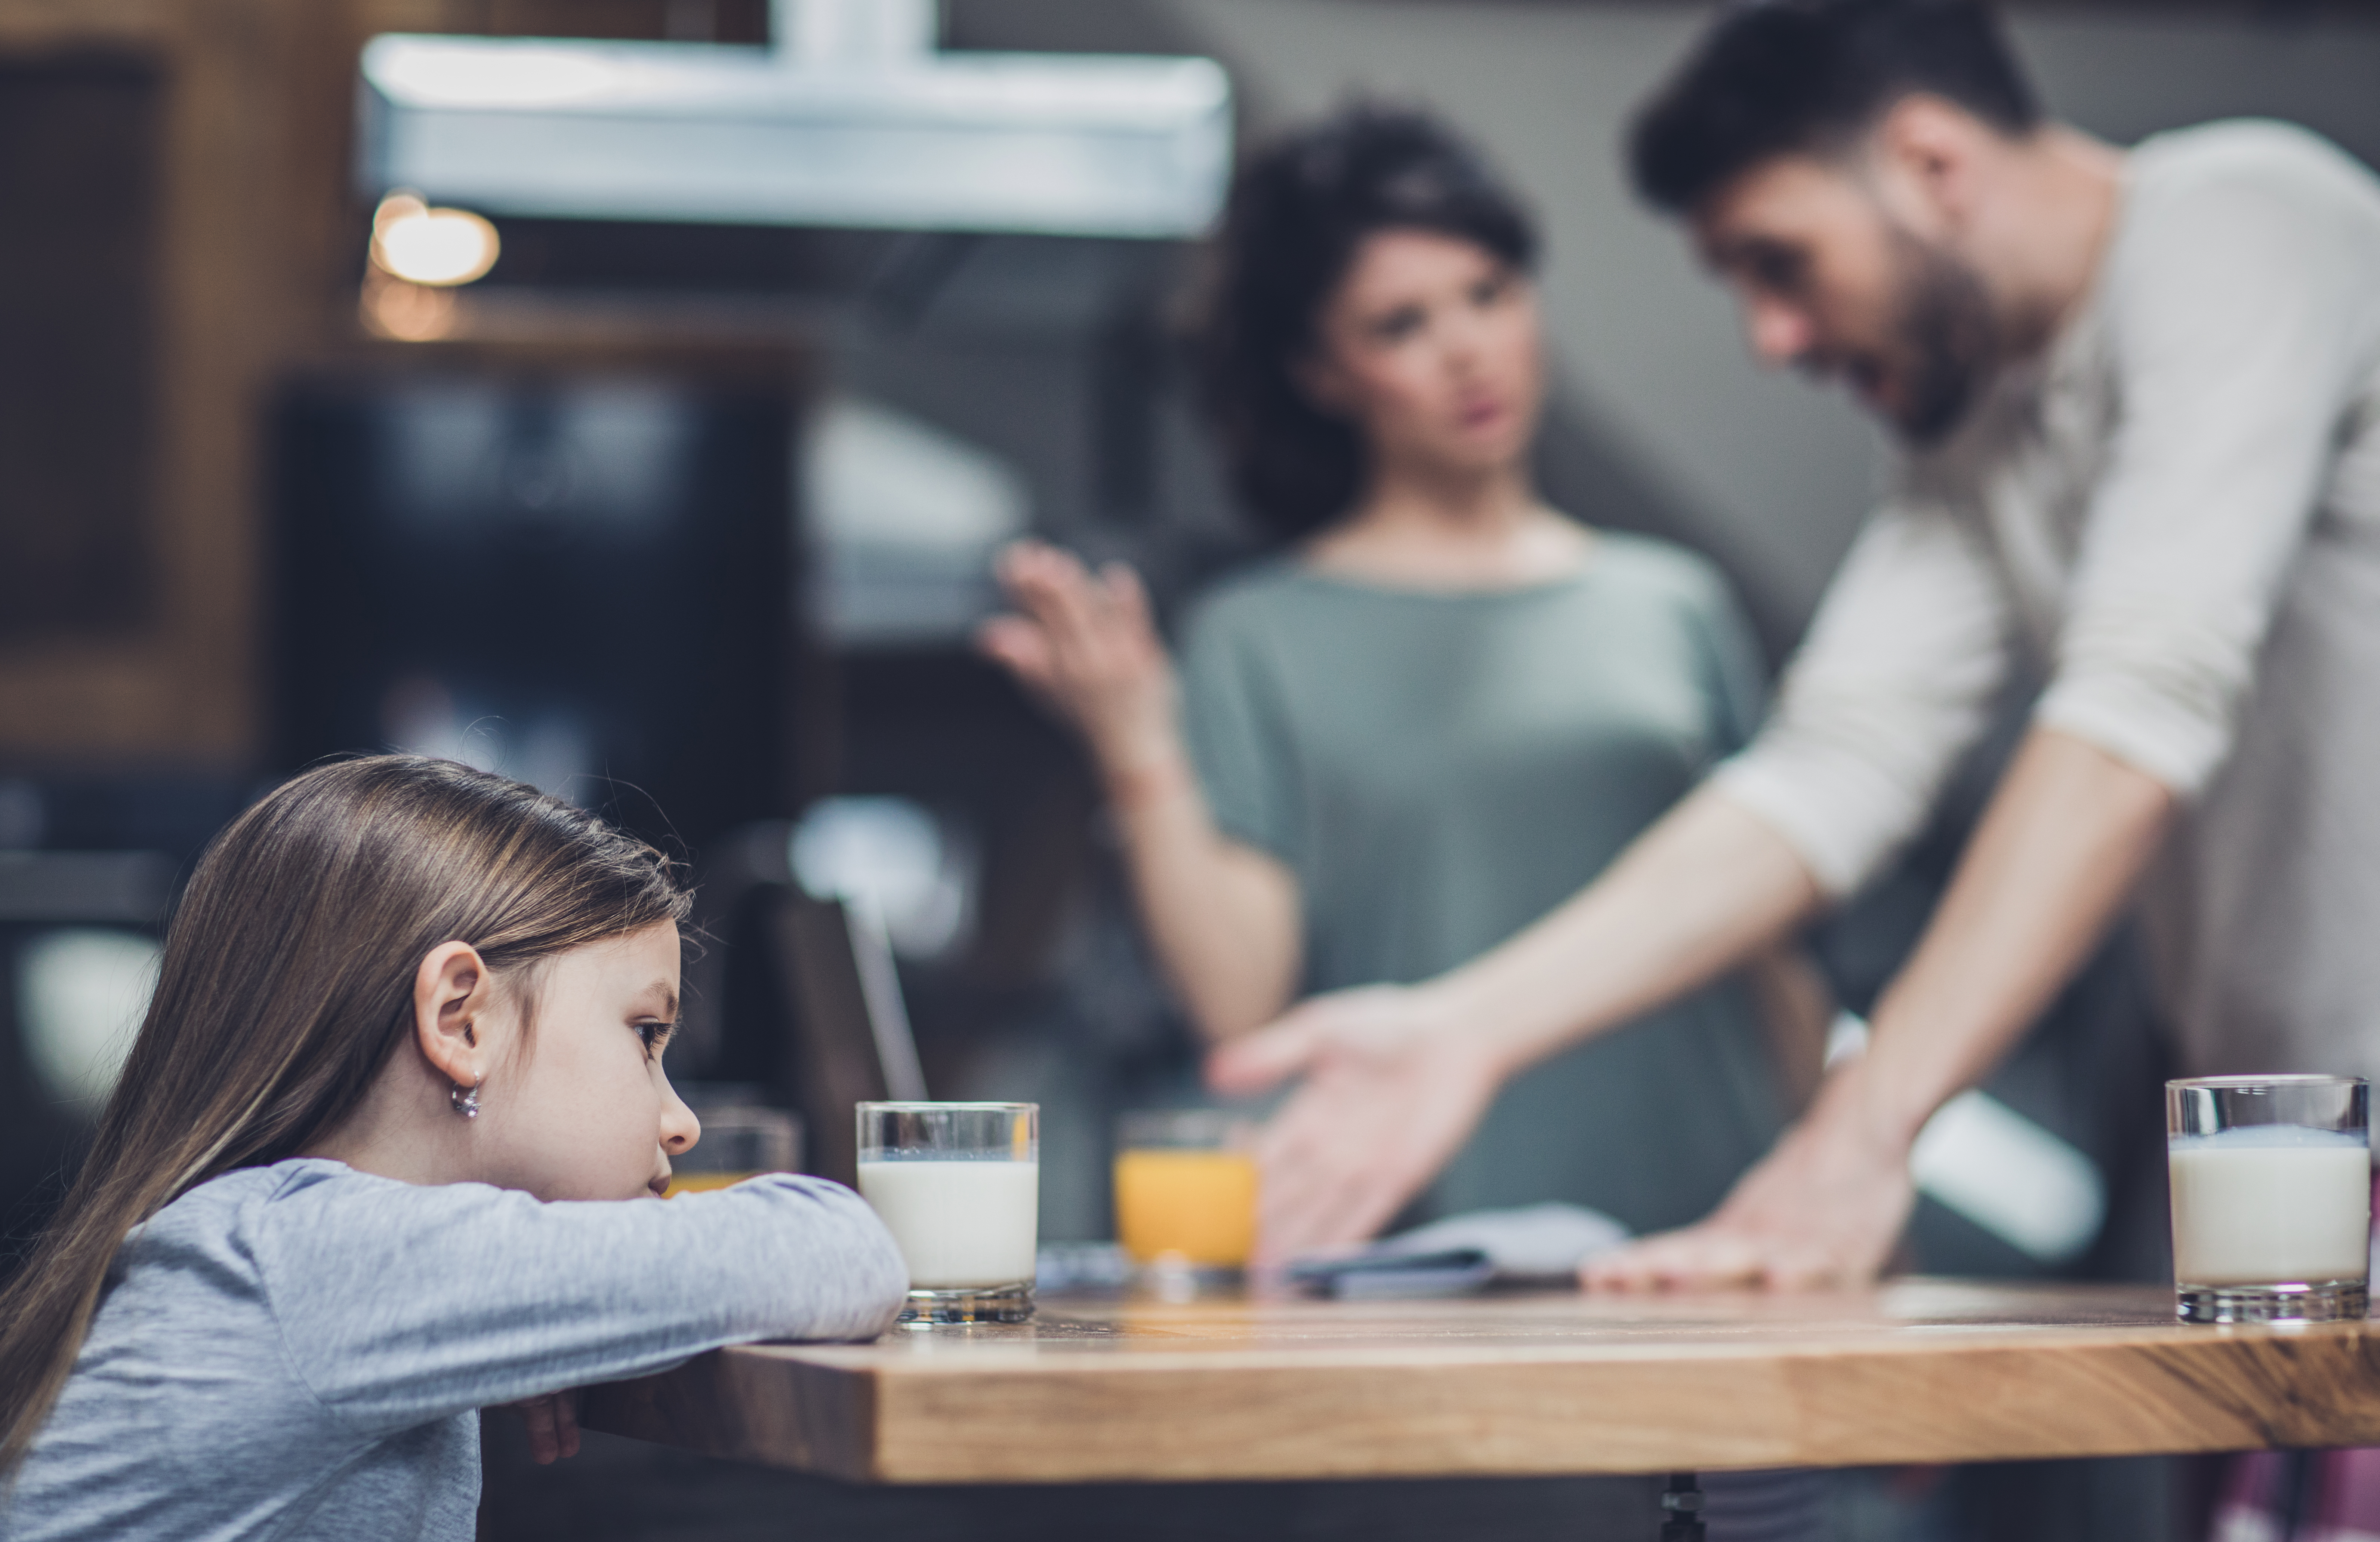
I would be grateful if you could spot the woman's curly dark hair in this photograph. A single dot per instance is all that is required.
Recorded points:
(1300, 207)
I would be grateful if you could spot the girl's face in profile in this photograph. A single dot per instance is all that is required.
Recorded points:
(1430, 345)
(582, 1109)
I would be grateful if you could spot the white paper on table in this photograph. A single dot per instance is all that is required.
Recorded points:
(1531, 1242)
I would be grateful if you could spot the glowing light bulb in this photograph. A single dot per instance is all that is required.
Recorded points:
(438, 246)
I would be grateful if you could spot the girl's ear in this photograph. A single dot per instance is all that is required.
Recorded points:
(452, 995)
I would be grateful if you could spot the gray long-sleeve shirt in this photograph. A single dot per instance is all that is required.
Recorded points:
(298, 1351)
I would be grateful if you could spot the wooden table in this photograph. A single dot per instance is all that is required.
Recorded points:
(1918, 1371)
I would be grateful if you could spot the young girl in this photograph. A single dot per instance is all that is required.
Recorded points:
(406, 1043)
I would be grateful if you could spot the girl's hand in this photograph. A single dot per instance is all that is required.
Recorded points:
(552, 1423)
(1086, 644)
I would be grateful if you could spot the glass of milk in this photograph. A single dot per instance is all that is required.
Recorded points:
(2272, 1197)
(959, 1185)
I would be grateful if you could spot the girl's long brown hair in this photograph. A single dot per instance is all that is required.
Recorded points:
(287, 984)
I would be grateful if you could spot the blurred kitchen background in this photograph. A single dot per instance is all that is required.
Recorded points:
(368, 380)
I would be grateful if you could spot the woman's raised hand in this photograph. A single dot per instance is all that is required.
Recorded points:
(1085, 644)
(1223, 916)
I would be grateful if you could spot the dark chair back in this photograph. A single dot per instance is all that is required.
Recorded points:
(799, 994)
(851, 1030)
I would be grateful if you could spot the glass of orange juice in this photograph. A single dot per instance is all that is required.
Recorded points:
(1185, 1188)
(738, 1141)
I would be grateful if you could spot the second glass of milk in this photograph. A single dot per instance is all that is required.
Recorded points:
(958, 1184)
(2272, 1197)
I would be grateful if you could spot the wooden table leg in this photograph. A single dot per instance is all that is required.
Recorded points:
(1681, 1509)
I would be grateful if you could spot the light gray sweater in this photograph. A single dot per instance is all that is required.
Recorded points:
(299, 1351)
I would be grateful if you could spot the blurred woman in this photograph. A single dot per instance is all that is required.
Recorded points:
(1440, 709)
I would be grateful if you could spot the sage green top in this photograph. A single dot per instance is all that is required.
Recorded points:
(1441, 768)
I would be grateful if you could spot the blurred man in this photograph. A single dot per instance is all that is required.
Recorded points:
(2138, 397)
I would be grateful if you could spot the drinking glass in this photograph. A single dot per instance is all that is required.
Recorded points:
(738, 1142)
(958, 1186)
(2272, 1197)
(1186, 1189)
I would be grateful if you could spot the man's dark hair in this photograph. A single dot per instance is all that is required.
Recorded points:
(1809, 77)
(1300, 207)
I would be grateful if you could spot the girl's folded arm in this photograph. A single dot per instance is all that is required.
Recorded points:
(398, 1303)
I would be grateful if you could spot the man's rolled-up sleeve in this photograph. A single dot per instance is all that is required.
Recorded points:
(2235, 334)
(1896, 679)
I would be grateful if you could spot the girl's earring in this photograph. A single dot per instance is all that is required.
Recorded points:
(465, 1099)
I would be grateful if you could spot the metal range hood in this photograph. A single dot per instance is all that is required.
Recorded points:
(852, 118)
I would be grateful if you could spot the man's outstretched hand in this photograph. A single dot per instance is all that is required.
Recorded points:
(1390, 1087)
(1825, 1208)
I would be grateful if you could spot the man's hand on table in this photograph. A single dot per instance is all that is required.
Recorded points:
(1391, 1089)
(1826, 1207)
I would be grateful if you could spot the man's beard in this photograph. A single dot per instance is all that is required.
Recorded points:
(1946, 341)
